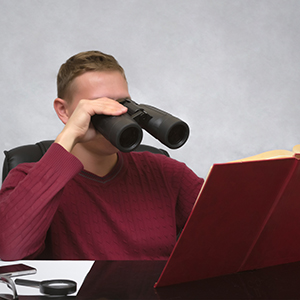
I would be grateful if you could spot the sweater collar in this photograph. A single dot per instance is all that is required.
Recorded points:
(108, 177)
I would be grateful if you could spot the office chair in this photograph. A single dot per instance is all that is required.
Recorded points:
(34, 152)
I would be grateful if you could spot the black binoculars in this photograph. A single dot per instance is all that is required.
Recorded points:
(125, 131)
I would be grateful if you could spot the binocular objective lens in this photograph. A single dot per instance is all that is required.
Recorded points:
(129, 137)
(177, 135)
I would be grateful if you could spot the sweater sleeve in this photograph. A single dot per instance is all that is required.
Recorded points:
(29, 200)
(190, 185)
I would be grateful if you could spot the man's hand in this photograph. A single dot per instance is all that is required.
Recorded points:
(78, 128)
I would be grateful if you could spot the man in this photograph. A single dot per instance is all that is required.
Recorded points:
(84, 199)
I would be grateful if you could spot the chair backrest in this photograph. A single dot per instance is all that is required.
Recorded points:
(34, 152)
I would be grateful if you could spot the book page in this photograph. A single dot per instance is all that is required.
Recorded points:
(296, 150)
(273, 154)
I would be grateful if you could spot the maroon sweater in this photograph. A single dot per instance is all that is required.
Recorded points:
(53, 209)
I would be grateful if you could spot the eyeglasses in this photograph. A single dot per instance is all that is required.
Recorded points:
(11, 285)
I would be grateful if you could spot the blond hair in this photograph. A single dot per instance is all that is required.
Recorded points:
(81, 63)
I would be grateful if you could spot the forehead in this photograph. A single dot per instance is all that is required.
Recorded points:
(93, 85)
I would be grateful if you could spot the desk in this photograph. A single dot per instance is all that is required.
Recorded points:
(135, 279)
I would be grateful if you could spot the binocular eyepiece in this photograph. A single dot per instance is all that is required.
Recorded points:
(125, 131)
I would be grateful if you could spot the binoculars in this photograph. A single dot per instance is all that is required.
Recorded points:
(125, 131)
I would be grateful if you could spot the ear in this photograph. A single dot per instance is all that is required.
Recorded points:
(61, 108)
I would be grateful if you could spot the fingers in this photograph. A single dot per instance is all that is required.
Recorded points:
(78, 129)
(103, 106)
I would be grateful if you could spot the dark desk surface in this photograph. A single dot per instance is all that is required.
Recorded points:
(135, 279)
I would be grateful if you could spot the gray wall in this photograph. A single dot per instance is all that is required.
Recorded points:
(229, 68)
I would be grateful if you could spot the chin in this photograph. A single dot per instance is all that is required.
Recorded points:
(101, 147)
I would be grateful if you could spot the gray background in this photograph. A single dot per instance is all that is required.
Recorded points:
(229, 68)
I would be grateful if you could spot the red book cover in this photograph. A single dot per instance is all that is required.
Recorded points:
(245, 217)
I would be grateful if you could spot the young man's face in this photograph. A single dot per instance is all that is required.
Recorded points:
(94, 85)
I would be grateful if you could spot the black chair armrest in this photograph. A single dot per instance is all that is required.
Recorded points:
(22, 154)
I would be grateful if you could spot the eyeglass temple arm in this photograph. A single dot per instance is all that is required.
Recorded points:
(11, 285)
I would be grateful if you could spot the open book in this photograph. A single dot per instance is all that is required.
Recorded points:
(274, 154)
(247, 216)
